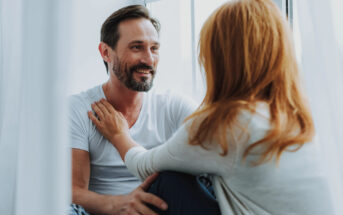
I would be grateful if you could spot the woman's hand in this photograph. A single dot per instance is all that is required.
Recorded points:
(110, 123)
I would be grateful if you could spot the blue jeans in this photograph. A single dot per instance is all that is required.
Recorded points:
(77, 210)
(185, 195)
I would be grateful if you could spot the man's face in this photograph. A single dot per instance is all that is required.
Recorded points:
(136, 54)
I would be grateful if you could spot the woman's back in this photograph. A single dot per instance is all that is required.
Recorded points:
(294, 185)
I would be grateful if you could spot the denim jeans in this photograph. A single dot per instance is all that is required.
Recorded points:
(77, 210)
(185, 195)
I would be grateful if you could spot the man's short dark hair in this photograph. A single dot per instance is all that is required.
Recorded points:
(109, 30)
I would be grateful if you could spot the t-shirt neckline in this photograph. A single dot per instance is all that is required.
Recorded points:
(142, 111)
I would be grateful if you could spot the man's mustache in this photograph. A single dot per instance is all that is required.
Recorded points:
(142, 66)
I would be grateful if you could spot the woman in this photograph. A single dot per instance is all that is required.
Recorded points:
(253, 130)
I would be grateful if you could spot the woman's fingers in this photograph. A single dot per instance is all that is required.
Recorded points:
(109, 120)
(94, 119)
(108, 106)
(98, 110)
(103, 108)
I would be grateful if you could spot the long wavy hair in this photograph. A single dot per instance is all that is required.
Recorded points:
(247, 53)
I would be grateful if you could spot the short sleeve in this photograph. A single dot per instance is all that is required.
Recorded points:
(181, 107)
(78, 122)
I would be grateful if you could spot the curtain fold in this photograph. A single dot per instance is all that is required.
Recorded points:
(34, 154)
(322, 67)
(10, 42)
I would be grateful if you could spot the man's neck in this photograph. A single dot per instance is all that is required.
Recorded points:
(127, 101)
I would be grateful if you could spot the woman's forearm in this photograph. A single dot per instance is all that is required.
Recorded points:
(123, 143)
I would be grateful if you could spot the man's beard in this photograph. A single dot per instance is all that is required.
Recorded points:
(125, 75)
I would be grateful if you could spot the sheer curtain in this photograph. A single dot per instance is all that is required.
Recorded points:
(322, 65)
(38, 42)
(34, 158)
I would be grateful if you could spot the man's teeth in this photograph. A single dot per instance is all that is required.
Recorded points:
(144, 71)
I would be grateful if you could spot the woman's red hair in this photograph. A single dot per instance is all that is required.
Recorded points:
(247, 53)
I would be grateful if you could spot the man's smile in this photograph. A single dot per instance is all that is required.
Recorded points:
(143, 71)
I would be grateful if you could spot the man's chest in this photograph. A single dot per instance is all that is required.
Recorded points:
(148, 134)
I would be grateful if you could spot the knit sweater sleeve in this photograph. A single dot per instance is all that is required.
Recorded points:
(177, 155)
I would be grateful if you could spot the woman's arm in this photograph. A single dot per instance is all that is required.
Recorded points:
(176, 154)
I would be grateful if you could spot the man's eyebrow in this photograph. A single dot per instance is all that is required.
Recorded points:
(141, 42)
(136, 41)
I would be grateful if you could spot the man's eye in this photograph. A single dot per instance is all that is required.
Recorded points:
(155, 48)
(136, 47)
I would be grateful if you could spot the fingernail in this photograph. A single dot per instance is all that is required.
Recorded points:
(164, 206)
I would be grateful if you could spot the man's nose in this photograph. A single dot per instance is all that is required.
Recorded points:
(148, 58)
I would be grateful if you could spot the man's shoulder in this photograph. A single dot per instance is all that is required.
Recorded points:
(168, 97)
(174, 105)
(84, 99)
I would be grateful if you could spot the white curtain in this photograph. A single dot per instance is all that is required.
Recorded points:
(34, 157)
(322, 65)
(36, 49)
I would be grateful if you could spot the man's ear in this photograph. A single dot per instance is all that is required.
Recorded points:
(105, 52)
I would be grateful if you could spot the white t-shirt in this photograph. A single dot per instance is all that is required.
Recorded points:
(160, 116)
(296, 186)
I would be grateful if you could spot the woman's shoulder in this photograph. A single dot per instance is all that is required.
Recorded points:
(255, 118)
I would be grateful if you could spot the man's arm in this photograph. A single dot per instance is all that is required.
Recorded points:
(133, 203)
(91, 201)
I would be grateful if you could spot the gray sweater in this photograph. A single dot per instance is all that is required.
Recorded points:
(297, 185)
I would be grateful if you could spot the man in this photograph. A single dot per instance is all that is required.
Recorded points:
(101, 184)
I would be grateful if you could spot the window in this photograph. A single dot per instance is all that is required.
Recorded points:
(181, 22)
